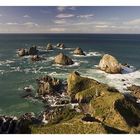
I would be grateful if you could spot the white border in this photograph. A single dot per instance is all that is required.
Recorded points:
(69, 2)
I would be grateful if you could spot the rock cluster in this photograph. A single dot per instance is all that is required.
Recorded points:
(14, 125)
(63, 60)
(48, 85)
(109, 64)
(32, 51)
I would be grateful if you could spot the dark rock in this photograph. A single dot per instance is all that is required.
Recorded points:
(33, 51)
(112, 89)
(88, 118)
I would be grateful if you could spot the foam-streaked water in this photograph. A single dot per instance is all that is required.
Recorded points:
(16, 73)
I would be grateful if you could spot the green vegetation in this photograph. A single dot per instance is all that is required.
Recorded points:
(113, 112)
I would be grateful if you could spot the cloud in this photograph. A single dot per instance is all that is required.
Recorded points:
(101, 26)
(0, 15)
(85, 16)
(57, 29)
(12, 23)
(65, 15)
(31, 24)
(132, 22)
(26, 16)
(61, 21)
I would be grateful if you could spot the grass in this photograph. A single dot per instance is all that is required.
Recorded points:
(112, 110)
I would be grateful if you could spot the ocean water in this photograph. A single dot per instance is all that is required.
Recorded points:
(16, 72)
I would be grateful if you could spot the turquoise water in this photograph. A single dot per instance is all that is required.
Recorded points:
(16, 73)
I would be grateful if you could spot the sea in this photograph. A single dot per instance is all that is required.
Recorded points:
(18, 72)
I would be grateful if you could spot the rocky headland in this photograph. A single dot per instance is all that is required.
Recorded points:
(79, 105)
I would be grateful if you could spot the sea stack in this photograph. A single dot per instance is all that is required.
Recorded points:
(49, 47)
(109, 64)
(63, 59)
(78, 51)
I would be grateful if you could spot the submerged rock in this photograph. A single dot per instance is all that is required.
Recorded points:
(35, 58)
(110, 64)
(49, 47)
(63, 59)
(78, 51)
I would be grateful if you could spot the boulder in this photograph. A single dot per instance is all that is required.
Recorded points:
(33, 51)
(48, 85)
(49, 47)
(63, 59)
(60, 45)
(109, 64)
(79, 51)
(22, 52)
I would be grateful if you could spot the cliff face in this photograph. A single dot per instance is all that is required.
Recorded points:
(104, 110)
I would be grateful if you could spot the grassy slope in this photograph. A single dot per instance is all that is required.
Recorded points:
(114, 113)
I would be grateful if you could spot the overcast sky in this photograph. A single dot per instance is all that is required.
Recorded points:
(70, 19)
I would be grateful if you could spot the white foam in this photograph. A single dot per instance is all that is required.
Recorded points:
(93, 54)
(69, 48)
(73, 65)
(6, 62)
(119, 81)
(88, 54)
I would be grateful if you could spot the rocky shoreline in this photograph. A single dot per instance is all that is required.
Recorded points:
(79, 101)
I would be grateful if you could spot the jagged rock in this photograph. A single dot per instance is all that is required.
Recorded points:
(33, 51)
(63, 59)
(48, 85)
(110, 64)
(135, 91)
(49, 47)
(60, 45)
(78, 51)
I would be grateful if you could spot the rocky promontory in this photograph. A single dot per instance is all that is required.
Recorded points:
(102, 110)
